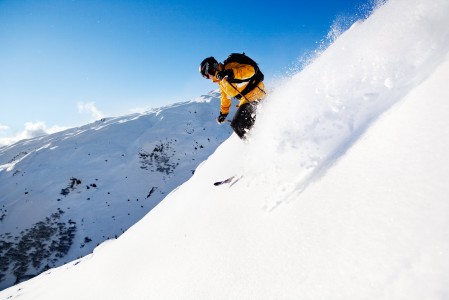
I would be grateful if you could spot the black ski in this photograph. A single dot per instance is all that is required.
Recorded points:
(231, 181)
(224, 181)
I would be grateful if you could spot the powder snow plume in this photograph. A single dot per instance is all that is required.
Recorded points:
(310, 120)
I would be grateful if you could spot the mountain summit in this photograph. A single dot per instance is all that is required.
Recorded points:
(64, 194)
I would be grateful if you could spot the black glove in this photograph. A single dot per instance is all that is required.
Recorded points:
(221, 118)
(225, 73)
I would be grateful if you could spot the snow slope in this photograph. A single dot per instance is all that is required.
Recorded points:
(63, 194)
(343, 195)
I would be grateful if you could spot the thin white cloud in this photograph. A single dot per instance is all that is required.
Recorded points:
(91, 109)
(3, 127)
(31, 130)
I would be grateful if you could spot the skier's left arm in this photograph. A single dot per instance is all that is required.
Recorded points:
(225, 103)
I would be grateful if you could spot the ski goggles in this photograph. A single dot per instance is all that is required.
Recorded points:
(204, 70)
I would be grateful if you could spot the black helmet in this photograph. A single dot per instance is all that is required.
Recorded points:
(208, 67)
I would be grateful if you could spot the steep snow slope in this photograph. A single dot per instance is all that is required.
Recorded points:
(338, 200)
(63, 194)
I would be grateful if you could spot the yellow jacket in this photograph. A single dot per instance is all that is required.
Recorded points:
(230, 90)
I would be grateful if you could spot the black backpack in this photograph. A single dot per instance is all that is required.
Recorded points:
(242, 58)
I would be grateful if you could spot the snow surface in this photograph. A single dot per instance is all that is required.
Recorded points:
(343, 195)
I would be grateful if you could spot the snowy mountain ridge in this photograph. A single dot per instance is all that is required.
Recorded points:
(65, 193)
(343, 192)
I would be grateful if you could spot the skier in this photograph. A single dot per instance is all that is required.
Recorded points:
(238, 77)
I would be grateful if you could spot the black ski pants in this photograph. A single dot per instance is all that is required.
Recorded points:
(244, 118)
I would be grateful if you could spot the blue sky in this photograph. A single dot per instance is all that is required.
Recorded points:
(64, 63)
